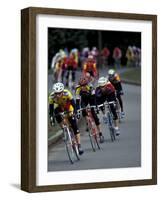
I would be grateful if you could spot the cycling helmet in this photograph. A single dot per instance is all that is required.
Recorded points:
(90, 57)
(111, 72)
(58, 87)
(83, 81)
(102, 81)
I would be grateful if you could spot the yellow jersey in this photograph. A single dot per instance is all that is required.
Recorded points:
(80, 90)
(64, 101)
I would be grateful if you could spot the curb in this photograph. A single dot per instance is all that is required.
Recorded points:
(57, 136)
(130, 82)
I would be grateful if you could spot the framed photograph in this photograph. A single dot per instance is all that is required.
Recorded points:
(88, 99)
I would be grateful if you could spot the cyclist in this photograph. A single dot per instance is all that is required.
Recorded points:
(94, 52)
(130, 56)
(105, 53)
(70, 66)
(75, 54)
(56, 66)
(85, 94)
(90, 67)
(105, 91)
(114, 78)
(117, 54)
(61, 100)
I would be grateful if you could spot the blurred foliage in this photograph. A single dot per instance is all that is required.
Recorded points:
(60, 38)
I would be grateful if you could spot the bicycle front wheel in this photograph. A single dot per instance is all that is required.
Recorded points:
(76, 152)
(92, 140)
(69, 145)
(111, 127)
(96, 141)
(112, 134)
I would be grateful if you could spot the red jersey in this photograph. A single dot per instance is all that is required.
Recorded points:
(70, 63)
(90, 66)
(109, 88)
(105, 52)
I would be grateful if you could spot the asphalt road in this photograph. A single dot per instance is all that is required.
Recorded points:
(124, 152)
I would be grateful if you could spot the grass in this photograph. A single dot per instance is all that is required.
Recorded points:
(133, 74)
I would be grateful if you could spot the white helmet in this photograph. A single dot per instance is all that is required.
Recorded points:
(90, 56)
(58, 87)
(111, 72)
(102, 81)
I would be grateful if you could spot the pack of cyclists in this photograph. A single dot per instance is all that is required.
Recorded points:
(107, 88)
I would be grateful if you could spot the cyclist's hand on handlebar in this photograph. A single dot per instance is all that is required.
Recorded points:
(52, 121)
(102, 108)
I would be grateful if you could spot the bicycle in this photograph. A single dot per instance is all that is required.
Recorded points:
(69, 139)
(91, 128)
(108, 118)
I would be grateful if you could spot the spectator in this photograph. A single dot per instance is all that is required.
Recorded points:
(105, 54)
(130, 57)
(117, 54)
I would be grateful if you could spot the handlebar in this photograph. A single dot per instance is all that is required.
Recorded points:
(63, 113)
(87, 107)
(106, 104)
(97, 106)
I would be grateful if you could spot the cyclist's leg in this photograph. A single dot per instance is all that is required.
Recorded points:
(112, 97)
(120, 101)
(84, 113)
(76, 131)
(73, 75)
(95, 117)
(51, 114)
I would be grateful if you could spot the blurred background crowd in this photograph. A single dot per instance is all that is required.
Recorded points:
(108, 49)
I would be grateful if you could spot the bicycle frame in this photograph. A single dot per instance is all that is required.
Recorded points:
(91, 122)
(92, 129)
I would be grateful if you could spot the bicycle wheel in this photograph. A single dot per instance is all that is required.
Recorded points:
(96, 141)
(112, 134)
(76, 152)
(92, 140)
(69, 145)
(110, 126)
(74, 145)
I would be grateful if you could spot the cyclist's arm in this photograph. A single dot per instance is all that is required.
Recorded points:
(51, 114)
(120, 86)
(51, 110)
(73, 104)
(95, 70)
